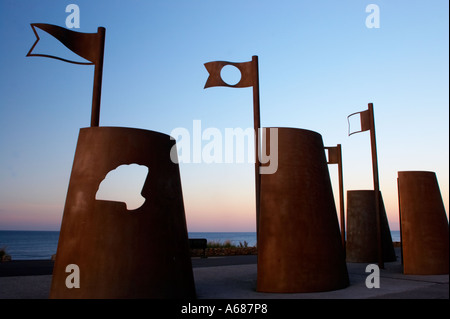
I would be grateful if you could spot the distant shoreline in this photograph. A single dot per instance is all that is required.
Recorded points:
(41, 245)
(209, 252)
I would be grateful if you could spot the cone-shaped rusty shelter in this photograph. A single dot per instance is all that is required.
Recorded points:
(141, 253)
(424, 224)
(299, 244)
(362, 229)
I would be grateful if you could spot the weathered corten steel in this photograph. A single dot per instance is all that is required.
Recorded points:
(362, 244)
(335, 157)
(299, 244)
(142, 253)
(368, 124)
(424, 224)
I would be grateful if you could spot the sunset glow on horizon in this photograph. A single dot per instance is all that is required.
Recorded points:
(318, 63)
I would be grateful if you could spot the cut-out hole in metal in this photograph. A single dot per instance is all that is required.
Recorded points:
(124, 184)
(230, 74)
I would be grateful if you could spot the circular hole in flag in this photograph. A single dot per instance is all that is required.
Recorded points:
(230, 74)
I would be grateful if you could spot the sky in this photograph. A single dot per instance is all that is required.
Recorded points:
(319, 61)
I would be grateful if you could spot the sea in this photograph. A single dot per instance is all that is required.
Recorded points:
(41, 245)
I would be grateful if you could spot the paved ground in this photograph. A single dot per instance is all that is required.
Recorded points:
(235, 278)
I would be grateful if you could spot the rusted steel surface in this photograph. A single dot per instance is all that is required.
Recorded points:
(89, 46)
(424, 224)
(368, 124)
(143, 253)
(299, 244)
(335, 157)
(362, 228)
(247, 70)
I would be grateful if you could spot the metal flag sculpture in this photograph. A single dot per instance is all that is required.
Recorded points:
(335, 157)
(249, 78)
(89, 46)
(368, 124)
(154, 259)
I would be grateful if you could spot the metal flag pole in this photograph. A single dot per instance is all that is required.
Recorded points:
(98, 74)
(90, 46)
(400, 222)
(257, 125)
(376, 184)
(249, 77)
(335, 157)
(341, 194)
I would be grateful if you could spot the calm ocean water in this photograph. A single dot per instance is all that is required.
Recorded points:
(38, 245)
(28, 245)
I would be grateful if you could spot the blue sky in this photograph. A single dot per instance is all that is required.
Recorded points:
(318, 63)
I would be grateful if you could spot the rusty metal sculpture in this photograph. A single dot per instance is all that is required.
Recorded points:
(249, 78)
(299, 245)
(142, 253)
(292, 218)
(90, 46)
(423, 224)
(368, 124)
(362, 229)
(335, 157)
